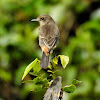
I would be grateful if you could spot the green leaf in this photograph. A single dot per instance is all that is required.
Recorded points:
(64, 60)
(40, 80)
(37, 79)
(69, 89)
(37, 68)
(75, 81)
(55, 60)
(50, 71)
(29, 67)
(34, 73)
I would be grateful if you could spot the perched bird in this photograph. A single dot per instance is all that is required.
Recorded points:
(48, 37)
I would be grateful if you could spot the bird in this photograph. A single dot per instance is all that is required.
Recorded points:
(48, 37)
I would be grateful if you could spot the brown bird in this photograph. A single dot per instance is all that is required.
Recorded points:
(48, 37)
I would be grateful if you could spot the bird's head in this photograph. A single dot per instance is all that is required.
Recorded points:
(44, 19)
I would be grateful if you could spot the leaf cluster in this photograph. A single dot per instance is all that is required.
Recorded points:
(41, 79)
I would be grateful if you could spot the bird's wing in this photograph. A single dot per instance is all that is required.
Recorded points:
(51, 42)
(49, 36)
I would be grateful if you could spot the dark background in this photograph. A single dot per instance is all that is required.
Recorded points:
(79, 25)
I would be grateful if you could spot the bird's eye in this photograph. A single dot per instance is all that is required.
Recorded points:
(42, 18)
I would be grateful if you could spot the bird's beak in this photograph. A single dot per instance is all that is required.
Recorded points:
(34, 20)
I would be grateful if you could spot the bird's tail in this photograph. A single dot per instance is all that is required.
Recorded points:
(44, 61)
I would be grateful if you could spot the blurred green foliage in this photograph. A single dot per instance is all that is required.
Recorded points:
(79, 24)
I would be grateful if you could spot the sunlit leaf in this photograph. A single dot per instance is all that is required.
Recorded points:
(50, 66)
(64, 60)
(69, 89)
(75, 81)
(37, 68)
(29, 67)
(50, 71)
(55, 60)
